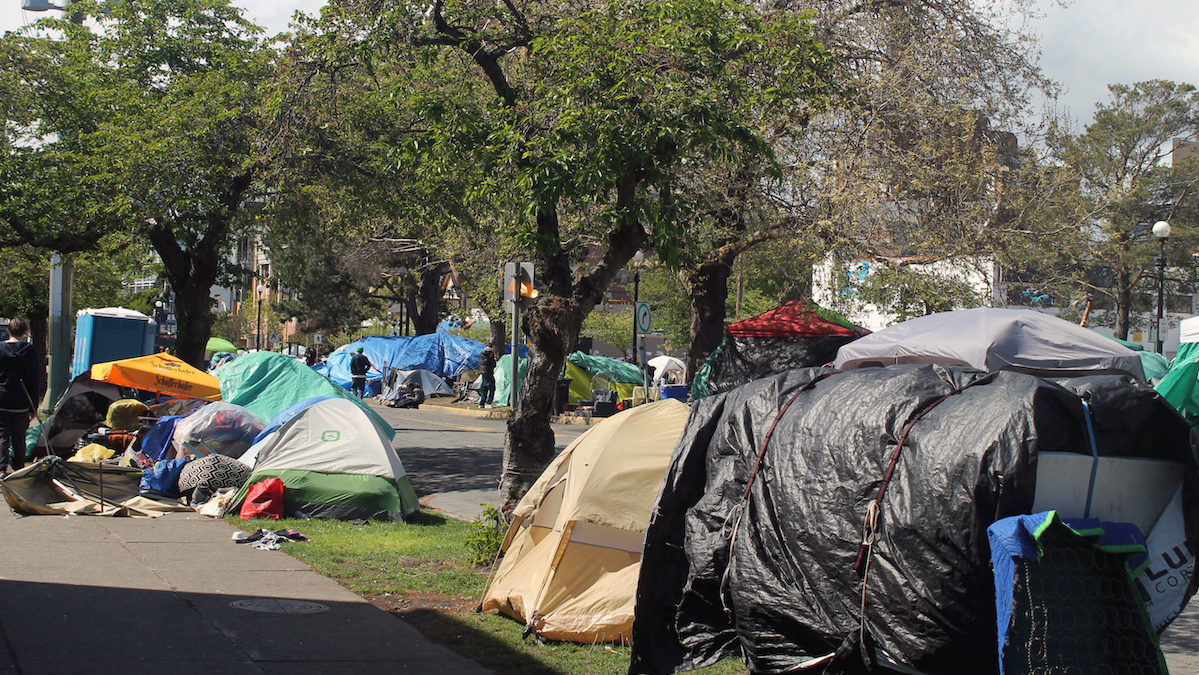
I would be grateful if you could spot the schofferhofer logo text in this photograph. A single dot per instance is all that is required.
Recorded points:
(173, 383)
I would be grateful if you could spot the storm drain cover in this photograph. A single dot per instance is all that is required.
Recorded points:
(279, 606)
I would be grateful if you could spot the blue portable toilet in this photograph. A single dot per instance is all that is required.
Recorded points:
(110, 334)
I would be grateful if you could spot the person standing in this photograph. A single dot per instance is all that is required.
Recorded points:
(487, 383)
(359, 366)
(18, 387)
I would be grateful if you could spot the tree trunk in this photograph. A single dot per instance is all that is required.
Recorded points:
(550, 326)
(193, 321)
(427, 307)
(708, 290)
(1123, 300)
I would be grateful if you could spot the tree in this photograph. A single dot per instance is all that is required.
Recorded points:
(577, 129)
(156, 111)
(909, 160)
(1123, 187)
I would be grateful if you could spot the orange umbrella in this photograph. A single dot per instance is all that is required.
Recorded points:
(160, 373)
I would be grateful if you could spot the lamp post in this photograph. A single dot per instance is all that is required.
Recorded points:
(1161, 230)
(258, 321)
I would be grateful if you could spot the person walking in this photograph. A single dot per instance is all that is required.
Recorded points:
(18, 387)
(487, 383)
(359, 367)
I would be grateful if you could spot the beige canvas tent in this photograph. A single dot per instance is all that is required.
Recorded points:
(573, 552)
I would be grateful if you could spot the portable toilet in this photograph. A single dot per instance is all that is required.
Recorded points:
(110, 334)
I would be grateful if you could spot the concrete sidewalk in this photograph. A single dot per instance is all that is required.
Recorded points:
(176, 595)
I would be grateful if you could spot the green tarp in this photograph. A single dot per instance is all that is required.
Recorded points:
(503, 377)
(580, 368)
(615, 369)
(1154, 364)
(267, 383)
(1179, 385)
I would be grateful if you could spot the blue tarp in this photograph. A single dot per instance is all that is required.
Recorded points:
(445, 354)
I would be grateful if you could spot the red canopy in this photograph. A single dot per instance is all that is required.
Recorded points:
(797, 318)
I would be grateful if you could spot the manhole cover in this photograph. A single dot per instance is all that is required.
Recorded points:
(279, 606)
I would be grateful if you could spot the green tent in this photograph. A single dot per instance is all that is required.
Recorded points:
(216, 344)
(268, 382)
(581, 369)
(1154, 364)
(1179, 385)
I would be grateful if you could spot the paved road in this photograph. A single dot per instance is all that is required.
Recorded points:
(454, 458)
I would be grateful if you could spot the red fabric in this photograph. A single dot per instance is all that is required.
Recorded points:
(792, 319)
(264, 500)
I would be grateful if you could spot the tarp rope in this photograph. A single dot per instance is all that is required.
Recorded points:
(871, 520)
(738, 510)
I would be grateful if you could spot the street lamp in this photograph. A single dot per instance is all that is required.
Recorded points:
(258, 330)
(1161, 230)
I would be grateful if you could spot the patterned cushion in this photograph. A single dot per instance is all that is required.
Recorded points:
(214, 472)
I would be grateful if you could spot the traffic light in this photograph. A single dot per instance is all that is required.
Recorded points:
(518, 284)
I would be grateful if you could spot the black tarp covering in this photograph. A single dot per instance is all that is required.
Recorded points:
(791, 591)
(744, 359)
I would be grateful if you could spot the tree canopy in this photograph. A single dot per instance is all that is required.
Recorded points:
(141, 119)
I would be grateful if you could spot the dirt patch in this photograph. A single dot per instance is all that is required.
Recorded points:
(405, 604)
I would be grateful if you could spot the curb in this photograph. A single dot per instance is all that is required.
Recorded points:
(505, 413)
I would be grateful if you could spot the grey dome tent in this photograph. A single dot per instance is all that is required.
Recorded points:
(994, 339)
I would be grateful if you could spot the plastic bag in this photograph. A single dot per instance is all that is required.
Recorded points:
(264, 500)
(221, 428)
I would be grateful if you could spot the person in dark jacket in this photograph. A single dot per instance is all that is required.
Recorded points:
(487, 371)
(18, 388)
(412, 396)
(359, 367)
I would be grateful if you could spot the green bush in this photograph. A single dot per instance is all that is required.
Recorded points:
(485, 536)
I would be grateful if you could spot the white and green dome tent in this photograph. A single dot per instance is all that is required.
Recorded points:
(335, 462)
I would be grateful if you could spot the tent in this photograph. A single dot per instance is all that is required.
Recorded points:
(573, 550)
(81, 407)
(216, 344)
(335, 462)
(581, 369)
(1155, 365)
(54, 487)
(756, 542)
(267, 383)
(796, 334)
(429, 382)
(445, 354)
(665, 367)
(994, 339)
(1180, 384)
(160, 373)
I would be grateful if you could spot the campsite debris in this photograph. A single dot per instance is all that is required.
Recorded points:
(268, 540)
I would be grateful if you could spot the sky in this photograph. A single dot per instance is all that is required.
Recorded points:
(1085, 45)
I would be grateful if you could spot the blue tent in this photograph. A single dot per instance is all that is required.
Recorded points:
(445, 354)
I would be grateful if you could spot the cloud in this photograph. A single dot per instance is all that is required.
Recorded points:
(1089, 45)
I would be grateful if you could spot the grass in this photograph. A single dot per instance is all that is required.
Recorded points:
(421, 571)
